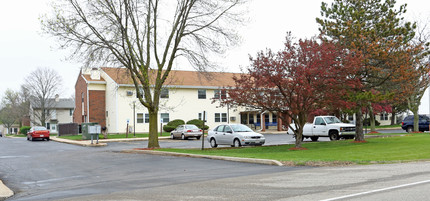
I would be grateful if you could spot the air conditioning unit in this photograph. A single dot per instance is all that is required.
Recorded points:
(232, 118)
(129, 93)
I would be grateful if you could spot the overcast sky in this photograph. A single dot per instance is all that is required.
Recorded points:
(23, 49)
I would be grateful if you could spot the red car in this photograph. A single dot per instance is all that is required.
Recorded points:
(38, 132)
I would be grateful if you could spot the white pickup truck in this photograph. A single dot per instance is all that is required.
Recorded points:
(327, 126)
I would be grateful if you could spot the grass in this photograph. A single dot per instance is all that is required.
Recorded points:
(14, 135)
(113, 136)
(375, 150)
(388, 126)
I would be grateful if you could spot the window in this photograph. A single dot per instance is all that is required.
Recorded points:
(217, 117)
(220, 128)
(140, 118)
(274, 118)
(258, 118)
(202, 94)
(350, 118)
(164, 117)
(220, 94)
(224, 117)
(48, 126)
(141, 93)
(164, 93)
(251, 119)
(220, 117)
(319, 121)
(384, 117)
(71, 112)
(82, 97)
(201, 116)
(146, 118)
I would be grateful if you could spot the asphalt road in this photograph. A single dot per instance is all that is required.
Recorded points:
(44, 170)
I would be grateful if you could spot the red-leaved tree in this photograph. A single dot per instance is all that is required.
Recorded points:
(304, 77)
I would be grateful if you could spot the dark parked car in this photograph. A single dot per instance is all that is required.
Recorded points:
(408, 123)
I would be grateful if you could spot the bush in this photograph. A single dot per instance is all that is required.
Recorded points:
(173, 124)
(24, 129)
(366, 122)
(198, 123)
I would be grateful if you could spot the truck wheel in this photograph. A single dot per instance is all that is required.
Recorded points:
(333, 135)
(314, 138)
(409, 129)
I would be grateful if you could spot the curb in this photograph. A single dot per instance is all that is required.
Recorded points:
(102, 142)
(5, 192)
(226, 158)
(81, 143)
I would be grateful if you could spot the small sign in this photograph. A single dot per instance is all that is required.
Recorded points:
(161, 120)
(128, 121)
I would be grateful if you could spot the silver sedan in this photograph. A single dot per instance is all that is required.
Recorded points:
(186, 131)
(235, 135)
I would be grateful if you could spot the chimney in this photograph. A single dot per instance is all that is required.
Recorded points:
(95, 74)
(57, 98)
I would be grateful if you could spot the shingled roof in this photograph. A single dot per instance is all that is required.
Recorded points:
(178, 78)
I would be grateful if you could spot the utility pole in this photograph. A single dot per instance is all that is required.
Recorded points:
(134, 118)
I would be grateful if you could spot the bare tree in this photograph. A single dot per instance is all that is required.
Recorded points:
(10, 104)
(145, 37)
(42, 85)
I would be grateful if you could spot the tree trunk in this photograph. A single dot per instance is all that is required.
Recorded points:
(416, 120)
(393, 117)
(153, 126)
(371, 119)
(299, 137)
(359, 136)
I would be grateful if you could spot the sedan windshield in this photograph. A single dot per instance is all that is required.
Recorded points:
(240, 128)
(332, 120)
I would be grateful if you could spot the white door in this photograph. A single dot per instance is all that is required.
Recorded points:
(320, 127)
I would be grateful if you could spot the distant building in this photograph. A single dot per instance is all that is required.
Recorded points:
(107, 96)
(60, 110)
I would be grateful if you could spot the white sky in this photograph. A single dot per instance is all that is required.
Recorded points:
(23, 49)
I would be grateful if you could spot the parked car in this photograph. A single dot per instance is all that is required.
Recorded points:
(423, 123)
(38, 132)
(185, 131)
(235, 135)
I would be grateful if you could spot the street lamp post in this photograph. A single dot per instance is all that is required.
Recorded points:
(134, 118)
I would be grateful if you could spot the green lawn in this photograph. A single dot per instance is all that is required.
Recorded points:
(376, 150)
(113, 136)
(388, 126)
(13, 135)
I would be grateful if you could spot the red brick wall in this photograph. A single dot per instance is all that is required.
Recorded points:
(80, 87)
(97, 107)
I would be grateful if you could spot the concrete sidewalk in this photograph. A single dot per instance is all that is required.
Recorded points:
(5, 192)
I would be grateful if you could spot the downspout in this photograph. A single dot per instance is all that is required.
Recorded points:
(88, 106)
(261, 120)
